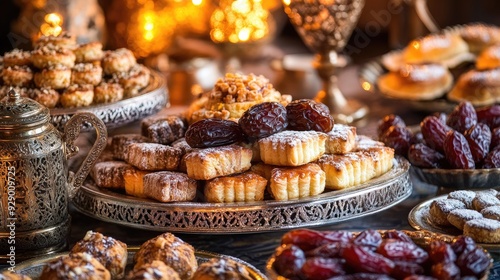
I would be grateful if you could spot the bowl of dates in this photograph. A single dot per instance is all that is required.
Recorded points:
(371, 254)
(457, 150)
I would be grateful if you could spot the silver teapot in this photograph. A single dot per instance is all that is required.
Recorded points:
(35, 182)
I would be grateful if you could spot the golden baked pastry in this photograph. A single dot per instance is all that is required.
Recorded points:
(292, 148)
(56, 77)
(9, 275)
(75, 267)
(156, 270)
(119, 60)
(354, 168)
(480, 88)
(491, 212)
(63, 40)
(484, 200)
(89, 53)
(221, 268)
(479, 36)
(483, 230)
(463, 195)
(243, 187)
(209, 163)
(109, 174)
(153, 156)
(446, 48)
(170, 249)
(417, 82)
(119, 143)
(459, 217)
(108, 251)
(364, 142)
(287, 183)
(185, 148)
(134, 182)
(107, 92)
(440, 208)
(264, 170)
(86, 73)
(46, 96)
(20, 76)
(51, 55)
(489, 58)
(167, 186)
(341, 139)
(232, 95)
(133, 80)
(17, 57)
(166, 130)
(77, 96)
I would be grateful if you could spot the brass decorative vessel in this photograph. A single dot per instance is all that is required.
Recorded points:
(35, 184)
(325, 26)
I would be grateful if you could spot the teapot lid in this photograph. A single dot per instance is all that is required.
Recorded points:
(17, 111)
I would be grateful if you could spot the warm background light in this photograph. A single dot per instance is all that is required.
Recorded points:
(52, 25)
(240, 21)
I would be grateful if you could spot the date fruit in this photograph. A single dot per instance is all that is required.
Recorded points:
(457, 151)
(318, 268)
(388, 121)
(397, 250)
(213, 132)
(307, 114)
(308, 239)
(489, 115)
(442, 252)
(492, 159)
(263, 119)
(422, 156)
(362, 259)
(289, 261)
(398, 138)
(479, 139)
(434, 132)
(462, 117)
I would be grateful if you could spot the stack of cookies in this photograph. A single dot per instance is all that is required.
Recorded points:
(58, 72)
(270, 151)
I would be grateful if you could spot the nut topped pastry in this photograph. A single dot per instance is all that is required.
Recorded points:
(9, 275)
(156, 270)
(221, 268)
(170, 249)
(64, 40)
(232, 95)
(108, 251)
(17, 57)
(79, 266)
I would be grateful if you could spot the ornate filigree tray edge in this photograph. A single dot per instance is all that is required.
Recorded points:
(224, 218)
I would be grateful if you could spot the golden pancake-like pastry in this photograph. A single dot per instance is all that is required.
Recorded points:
(479, 36)
(489, 58)
(417, 82)
(480, 88)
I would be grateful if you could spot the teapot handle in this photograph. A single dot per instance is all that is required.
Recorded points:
(71, 132)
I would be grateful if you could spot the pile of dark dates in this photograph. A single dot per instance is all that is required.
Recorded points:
(341, 255)
(466, 138)
(259, 121)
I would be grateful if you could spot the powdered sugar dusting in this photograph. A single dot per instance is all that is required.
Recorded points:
(484, 223)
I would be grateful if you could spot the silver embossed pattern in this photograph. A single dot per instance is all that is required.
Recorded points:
(222, 218)
(151, 100)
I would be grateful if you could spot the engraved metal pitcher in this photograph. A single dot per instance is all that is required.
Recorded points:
(35, 183)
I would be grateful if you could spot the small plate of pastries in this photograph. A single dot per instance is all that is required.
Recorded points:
(165, 257)
(437, 71)
(377, 254)
(472, 213)
(264, 163)
(67, 77)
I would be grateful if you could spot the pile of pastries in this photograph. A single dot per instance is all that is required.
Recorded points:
(58, 72)
(421, 71)
(164, 257)
(477, 214)
(269, 150)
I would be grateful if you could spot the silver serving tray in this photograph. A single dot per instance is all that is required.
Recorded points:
(330, 207)
(418, 218)
(34, 267)
(150, 100)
